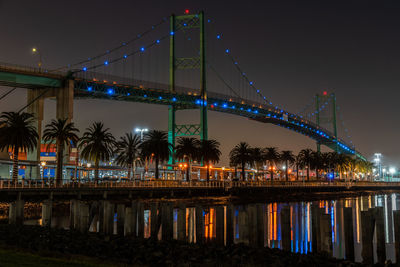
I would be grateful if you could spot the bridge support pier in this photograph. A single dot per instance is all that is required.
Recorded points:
(47, 206)
(243, 225)
(108, 218)
(140, 220)
(167, 217)
(199, 225)
(396, 220)
(182, 222)
(229, 225)
(154, 220)
(84, 223)
(120, 219)
(220, 227)
(285, 222)
(16, 212)
(348, 233)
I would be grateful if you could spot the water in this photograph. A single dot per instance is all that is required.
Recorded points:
(271, 231)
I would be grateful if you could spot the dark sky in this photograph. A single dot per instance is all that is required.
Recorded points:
(292, 49)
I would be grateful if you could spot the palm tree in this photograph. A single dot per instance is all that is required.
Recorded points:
(209, 152)
(63, 133)
(342, 163)
(257, 154)
(272, 156)
(288, 158)
(316, 162)
(187, 148)
(305, 157)
(97, 145)
(156, 145)
(127, 150)
(241, 155)
(17, 133)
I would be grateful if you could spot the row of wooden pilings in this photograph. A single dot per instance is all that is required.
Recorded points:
(100, 217)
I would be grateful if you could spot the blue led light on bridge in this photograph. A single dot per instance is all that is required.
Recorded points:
(198, 102)
(158, 41)
(174, 99)
(233, 107)
(128, 94)
(89, 88)
(218, 36)
(160, 97)
(227, 51)
(110, 91)
(84, 69)
(142, 49)
(241, 108)
(256, 111)
(248, 110)
(216, 104)
(171, 33)
(224, 105)
(184, 24)
(145, 96)
(251, 83)
(125, 56)
(106, 62)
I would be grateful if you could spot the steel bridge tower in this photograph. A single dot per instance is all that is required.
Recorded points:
(329, 119)
(187, 22)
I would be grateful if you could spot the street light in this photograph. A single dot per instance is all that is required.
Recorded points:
(141, 131)
(43, 164)
(392, 171)
(36, 51)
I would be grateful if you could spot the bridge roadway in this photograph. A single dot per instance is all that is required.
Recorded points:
(87, 87)
(36, 190)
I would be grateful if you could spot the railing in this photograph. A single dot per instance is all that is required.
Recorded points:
(173, 184)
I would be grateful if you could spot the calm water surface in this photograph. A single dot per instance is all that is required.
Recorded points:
(300, 222)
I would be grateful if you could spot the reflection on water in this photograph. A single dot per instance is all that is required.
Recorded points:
(269, 226)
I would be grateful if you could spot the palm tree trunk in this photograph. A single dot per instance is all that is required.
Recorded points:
(96, 171)
(60, 152)
(129, 171)
(272, 172)
(243, 172)
(308, 173)
(317, 173)
(208, 172)
(15, 166)
(287, 171)
(156, 162)
(188, 170)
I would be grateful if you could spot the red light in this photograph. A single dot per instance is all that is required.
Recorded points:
(186, 11)
(212, 106)
(325, 92)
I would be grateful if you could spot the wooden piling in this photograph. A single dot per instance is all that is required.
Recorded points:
(120, 219)
(229, 225)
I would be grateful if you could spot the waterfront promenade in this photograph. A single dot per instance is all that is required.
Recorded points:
(36, 189)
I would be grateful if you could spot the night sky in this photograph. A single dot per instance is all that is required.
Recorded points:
(291, 49)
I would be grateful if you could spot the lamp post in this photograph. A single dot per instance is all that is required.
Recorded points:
(36, 51)
(141, 131)
(43, 164)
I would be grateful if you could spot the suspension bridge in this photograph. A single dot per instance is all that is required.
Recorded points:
(182, 63)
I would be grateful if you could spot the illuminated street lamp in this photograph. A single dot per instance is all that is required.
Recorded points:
(141, 131)
(36, 51)
(392, 171)
(43, 164)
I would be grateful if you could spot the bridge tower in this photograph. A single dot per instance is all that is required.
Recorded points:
(193, 22)
(324, 116)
